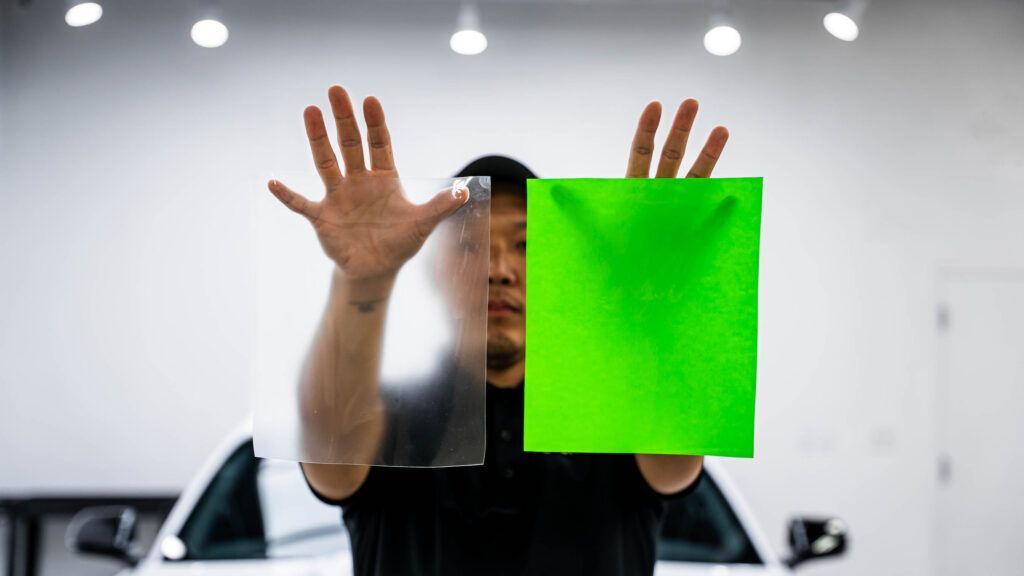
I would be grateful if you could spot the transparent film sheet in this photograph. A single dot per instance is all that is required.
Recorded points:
(356, 366)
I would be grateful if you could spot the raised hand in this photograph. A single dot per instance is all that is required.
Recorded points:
(672, 151)
(666, 473)
(364, 223)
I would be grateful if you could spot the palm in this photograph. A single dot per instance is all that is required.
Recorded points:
(364, 223)
(368, 227)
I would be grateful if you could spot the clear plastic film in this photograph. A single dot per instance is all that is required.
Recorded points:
(356, 367)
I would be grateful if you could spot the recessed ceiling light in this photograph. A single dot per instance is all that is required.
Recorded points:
(841, 26)
(83, 14)
(209, 33)
(722, 40)
(468, 40)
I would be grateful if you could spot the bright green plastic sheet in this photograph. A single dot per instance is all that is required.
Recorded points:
(641, 329)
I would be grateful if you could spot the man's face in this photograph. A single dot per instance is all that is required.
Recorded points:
(506, 306)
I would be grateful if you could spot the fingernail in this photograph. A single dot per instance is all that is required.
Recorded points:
(460, 191)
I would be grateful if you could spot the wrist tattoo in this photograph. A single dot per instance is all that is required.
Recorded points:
(365, 306)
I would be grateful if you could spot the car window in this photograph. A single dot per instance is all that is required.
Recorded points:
(256, 508)
(702, 527)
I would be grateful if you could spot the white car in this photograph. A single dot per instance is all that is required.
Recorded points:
(243, 515)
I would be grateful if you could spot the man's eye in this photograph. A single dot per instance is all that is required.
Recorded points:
(521, 245)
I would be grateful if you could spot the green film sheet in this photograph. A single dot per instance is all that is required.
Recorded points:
(641, 330)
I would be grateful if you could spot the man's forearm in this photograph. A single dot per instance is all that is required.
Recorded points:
(339, 393)
(667, 473)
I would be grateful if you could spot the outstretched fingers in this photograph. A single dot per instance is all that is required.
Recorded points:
(294, 201)
(349, 138)
(709, 155)
(381, 156)
(675, 143)
(441, 206)
(642, 149)
(323, 154)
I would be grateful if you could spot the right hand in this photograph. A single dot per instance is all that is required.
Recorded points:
(364, 223)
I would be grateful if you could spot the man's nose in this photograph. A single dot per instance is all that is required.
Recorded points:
(501, 272)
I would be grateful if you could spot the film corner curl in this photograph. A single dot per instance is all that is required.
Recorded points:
(420, 402)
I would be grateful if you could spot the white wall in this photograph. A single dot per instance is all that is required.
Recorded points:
(129, 159)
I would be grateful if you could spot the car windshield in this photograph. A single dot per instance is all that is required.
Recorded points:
(256, 508)
(702, 527)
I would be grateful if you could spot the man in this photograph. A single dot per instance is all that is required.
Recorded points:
(518, 513)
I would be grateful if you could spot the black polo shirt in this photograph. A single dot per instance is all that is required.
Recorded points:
(518, 513)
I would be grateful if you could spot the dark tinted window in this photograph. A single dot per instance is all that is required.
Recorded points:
(255, 508)
(702, 527)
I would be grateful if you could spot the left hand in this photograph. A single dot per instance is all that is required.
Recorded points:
(642, 151)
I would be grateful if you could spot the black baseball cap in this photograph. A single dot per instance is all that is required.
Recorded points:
(500, 169)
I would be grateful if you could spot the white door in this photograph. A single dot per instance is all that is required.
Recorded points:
(981, 424)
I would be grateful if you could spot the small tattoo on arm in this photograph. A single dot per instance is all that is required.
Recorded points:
(365, 306)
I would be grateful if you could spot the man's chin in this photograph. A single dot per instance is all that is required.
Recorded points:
(505, 321)
(503, 352)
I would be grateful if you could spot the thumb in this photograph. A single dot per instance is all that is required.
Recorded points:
(443, 205)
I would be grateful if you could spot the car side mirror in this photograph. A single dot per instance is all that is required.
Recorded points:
(811, 538)
(105, 531)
